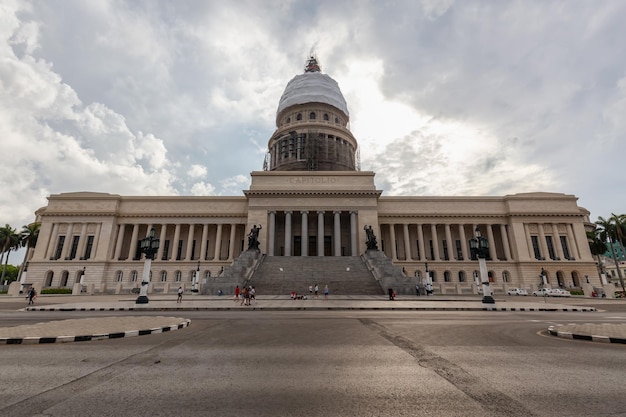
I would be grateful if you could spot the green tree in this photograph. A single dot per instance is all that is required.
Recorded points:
(28, 239)
(611, 231)
(597, 246)
(9, 240)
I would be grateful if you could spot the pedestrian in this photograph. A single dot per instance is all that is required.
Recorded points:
(417, 289)
(244, 296)
(180, 295)
(316, 289)
(237, 291)
(310, 290)
(252, 295)
(32, 294)
(391, 294)
(325, 292)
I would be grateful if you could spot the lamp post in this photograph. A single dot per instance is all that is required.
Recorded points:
(479, 247)
(23, 277)
(196, 279)
(149, 246)
(428, 281)
(82, 276)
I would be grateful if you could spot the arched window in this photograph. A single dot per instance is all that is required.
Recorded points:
(461, 276)
(119, 275)
(179, 276)
(336, 120)
(505, 276)
(163, 276)
(48, 281)
(446, 276)
(326, 117)
(133, 276)
(207, 274)
(299, 116)
(312, 116)
(288, 120)
(64, 277)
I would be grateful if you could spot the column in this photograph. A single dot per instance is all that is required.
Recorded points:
(542, 242)
(205, 233)
(420, 242)
(82, 241)
(271, 234)
(161, 242)
(231, 247)
(575, 251)
(407, 242)
(320, 233)
(451, 248)
(96, 240)
(392, 244)
(133, 243)
(337, 232)
(119, 243)
(433, 234)
(52, 242)
(354, 246)
(288, 233)
(463, 238)
(174, 245)
(218, 243)
(304, 243)
(557, 241)
(493, 254)
(189, 243)
(505, 242)
(68, 241)
(529, 242)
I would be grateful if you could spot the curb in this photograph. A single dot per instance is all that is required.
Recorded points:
(85, 338)
(312, 308)
(553, 330)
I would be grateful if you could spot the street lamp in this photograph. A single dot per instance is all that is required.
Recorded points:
(82, 276)
(149, 246)
(196, 278)
(428, 281)
(479, 247)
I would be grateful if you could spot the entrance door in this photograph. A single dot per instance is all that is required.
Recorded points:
(297, 246)
(312, 245)
(328, 246)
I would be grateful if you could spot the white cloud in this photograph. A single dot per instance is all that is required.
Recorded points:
(197, 171)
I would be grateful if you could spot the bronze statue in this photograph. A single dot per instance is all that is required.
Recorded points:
(253, 237)
(371, 238)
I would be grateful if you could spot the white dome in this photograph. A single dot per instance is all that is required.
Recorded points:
(312, 87)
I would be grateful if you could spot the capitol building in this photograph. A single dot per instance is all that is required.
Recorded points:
(312, 207)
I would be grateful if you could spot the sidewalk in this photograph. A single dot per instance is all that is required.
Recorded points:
(133, 325)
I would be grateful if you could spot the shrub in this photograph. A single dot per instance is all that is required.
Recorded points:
(577, 292)
(56, 291)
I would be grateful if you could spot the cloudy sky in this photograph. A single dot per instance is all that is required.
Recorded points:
(179, 98)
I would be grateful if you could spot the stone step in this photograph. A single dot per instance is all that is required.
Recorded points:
(344, 275)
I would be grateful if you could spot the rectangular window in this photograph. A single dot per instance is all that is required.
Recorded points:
(417, 245)
(88, 247)
(138, 251)
(550, 245)
(206, 252)
(535, 242)
(59, 250)
(179, 251)
(459, 251)
(74, 249)
(166, 250)
(193, 249)
(565, 248)
(432, 249)
(445, 250)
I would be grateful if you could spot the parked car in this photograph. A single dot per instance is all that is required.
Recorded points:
(557, 292)
(543, 292)
(517, 291)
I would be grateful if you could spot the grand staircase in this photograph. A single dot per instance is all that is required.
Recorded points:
(344, 275)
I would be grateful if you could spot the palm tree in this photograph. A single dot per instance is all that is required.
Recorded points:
(597, 246)
(9, 240)
(28, 239)
(608, 231)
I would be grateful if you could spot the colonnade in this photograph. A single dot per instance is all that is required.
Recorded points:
(342, 231)
(69, 241)
(445, 242)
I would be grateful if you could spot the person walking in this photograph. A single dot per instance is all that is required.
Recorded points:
(316, 289)
(237, 292)
(325, 292)
(417, 289)
(31, 295)
(180, 295)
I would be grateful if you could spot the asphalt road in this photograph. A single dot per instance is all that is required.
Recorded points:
(351, 363)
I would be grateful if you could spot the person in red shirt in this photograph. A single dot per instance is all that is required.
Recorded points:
(237, 291)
